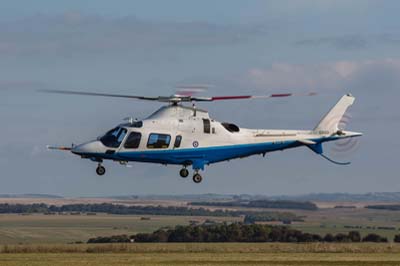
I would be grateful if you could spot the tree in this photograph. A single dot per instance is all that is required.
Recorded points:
(329, 238)
(354, 236)
(342, 238)
(374, 238)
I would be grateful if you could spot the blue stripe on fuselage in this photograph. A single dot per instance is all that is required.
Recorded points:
(206, 154)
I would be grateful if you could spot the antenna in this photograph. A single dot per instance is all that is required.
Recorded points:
(130, 120)
(194, 108)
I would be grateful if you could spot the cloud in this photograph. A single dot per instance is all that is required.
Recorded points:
(75, 34)
(352, 42)
(21, 85)
(390, 38)
(347, 42)
(324, 76)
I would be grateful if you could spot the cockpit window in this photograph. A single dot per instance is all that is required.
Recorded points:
(158, 141)
(133, 140)
(114, 137)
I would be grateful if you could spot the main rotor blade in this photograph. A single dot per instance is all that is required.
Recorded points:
(241, 97)
(101, 94)
(179, 98)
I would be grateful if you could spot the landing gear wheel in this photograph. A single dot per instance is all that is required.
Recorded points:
(197, 178)
(100, 170)
(184, 172)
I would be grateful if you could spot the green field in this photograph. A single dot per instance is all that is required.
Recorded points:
(39, 228)
(39, 239)
(202, 254)
(335, 221)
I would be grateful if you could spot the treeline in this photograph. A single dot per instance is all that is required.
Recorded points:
(113, 209)
(390, 207)
(271, 204)
(285, 217)
(143, 210)
(238, 232)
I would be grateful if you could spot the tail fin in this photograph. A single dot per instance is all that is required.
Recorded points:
(330, 122)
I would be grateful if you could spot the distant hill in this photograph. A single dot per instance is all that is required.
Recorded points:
(31, 196)
(269, 204)
(184, 197)
(345, 197)
(390, 207)
(326, 197)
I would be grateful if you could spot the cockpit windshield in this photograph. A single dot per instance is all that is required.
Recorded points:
(114, 137)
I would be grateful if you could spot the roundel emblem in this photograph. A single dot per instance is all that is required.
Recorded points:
(195, 144)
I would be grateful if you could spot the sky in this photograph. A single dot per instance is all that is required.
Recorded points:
(238, 47)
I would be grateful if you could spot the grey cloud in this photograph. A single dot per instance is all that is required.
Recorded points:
(21, 85)
(76, 34)
(352, 42)
(373, 82)
(347, 42)
(327, 75)
(390, 38)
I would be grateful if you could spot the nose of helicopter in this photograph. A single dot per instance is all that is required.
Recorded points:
(88, 148)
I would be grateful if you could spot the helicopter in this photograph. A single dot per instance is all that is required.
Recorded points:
(185, 135)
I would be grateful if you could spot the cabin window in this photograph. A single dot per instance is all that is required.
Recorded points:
(158, 141)
(133, 140)
(230, 127)
(114, 137)
(207, 126)
(178, 141)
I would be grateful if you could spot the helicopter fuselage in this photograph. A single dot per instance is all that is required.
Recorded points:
(181, 135)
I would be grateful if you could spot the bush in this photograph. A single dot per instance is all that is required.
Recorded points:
(329, 238)
(374, 238)
(397, 238)
(110, 239)
(354, 236)
(237, 232)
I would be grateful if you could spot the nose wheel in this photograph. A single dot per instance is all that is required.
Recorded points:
(100, 170)
(197, 178)
(184, 172)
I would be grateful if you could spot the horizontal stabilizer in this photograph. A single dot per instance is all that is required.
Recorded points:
(306, 142)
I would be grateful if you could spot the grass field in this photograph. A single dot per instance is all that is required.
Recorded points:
(39, 228)
(336, 220)
(202, 254)
(39, 239)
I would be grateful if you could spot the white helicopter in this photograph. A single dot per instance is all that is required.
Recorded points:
(187, 136)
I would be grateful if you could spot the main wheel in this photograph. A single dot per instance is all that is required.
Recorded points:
(184, 172)
(197, 178)
(100, 170)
